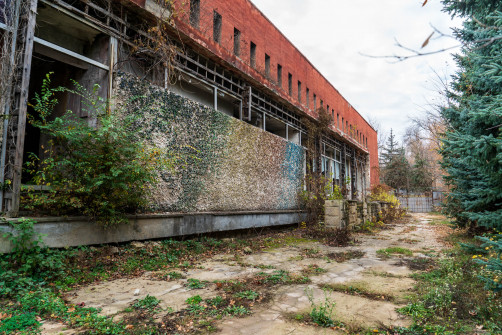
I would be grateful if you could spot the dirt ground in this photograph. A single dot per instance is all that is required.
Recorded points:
(381, 283)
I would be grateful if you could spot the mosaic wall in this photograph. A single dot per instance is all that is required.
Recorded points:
(229, 165)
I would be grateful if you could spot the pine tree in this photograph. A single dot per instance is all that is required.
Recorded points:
(472, 145)
(390, 149)
(396, 173)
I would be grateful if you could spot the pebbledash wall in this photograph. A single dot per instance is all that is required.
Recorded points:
(230, 165)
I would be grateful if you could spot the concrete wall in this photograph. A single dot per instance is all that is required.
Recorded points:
(227, 164)
(68, 232)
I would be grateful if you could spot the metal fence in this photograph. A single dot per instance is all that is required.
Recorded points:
(422, 203)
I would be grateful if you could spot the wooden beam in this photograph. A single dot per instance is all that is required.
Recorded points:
(59, 56)
(23, 101)
(71, 53)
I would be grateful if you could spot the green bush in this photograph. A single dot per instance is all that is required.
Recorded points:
(491, 261)
(30, 263)
(102, 170)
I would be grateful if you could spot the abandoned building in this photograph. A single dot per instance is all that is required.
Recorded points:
(223, 57)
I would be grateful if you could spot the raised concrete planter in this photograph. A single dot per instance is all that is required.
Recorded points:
(74, 231)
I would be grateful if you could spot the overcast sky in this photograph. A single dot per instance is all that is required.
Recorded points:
(333, 33)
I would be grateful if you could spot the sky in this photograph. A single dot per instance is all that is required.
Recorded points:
(333, 35)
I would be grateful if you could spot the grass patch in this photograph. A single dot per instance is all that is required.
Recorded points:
(359, 289)
(344, 256)
(387, 252)
(271, 243)
(449, 298)
(313, 269)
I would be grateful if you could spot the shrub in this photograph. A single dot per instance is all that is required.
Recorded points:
(382, 192)
(491, 274)
(102, 171)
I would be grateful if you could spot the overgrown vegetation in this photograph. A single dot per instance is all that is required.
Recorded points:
(103, 170)
(472, 143)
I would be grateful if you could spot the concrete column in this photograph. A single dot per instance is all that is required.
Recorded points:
(333, 213)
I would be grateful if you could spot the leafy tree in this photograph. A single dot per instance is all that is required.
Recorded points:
(472, 143)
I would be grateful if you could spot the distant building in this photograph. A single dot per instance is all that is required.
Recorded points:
(231, 58)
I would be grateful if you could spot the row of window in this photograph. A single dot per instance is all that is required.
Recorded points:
(345, 127)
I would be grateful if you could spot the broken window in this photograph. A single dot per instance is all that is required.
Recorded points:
(217, 27)
(237, 42)
(195, 13)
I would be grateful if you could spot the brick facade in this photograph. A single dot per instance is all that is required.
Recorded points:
(256, 28)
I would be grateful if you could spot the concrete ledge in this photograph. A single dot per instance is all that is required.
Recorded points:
(61, 232)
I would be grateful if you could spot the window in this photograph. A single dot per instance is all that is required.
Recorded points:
(338, 120)
(315, 102)
(343, 128)
(267, 65)
(252, 54)
(299, 91)
(322, 103)
(237, 42)
(333, 115)
(217, 27)
(290, 84)
(279, 75)
(308, 97)
(195, 13)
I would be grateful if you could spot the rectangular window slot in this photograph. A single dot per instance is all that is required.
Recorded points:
(252, 54)
(267, 65)
(195, 13)
(290, 84)
(237, 42)
(299, 91)
(279, 75)
(217, 27)
(308, 97)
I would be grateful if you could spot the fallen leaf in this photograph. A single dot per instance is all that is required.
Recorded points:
(425, 3)
(38, 318)
(129, 327)
(71, 309)
(427, 40)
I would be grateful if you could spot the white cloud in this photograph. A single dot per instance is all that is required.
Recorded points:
(332, 34)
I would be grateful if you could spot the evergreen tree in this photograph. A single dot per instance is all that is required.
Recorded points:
(472, 144)
(421, 174)
(390, 149)
(396, 173)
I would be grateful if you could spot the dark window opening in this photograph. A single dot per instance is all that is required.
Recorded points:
(217, 27)
(299, 91)
(315, 102)
(308, 97)
(195, 13)
(267, 65)
(290, 84)
(237, 42)
(252, 54)
(279, 75)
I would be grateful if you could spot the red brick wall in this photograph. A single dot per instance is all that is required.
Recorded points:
(256, 28)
